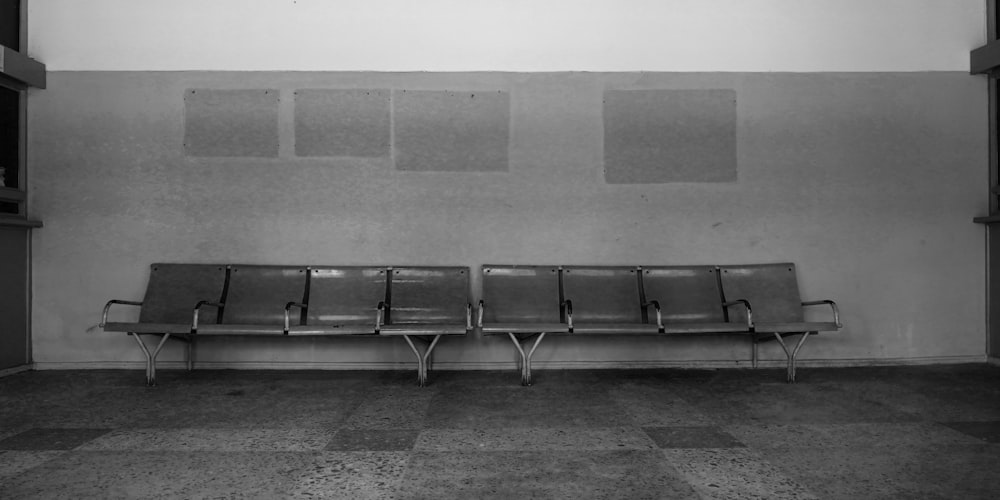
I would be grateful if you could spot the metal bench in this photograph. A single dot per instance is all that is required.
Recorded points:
(341, 301)
(172, 291)
(425, 303)
(186, 301)
(526, 302)
(693, 303)
(522, 302)
(255, 302)
(778, 309)
(607, 301)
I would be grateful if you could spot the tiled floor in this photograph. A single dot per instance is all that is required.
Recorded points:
(904, 432)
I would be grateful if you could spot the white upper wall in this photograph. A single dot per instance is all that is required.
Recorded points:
(507, 35)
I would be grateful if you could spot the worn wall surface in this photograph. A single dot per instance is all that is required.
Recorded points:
(867, 181)
(508, 35)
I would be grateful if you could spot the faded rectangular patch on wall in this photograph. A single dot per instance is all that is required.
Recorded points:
(453, 131)
(662, 136)
(231, 123)
(342, 122)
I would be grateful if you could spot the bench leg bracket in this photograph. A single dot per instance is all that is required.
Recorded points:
(190, 354)
(150, 357)
(526, 357)
(422, 358)
(791, 354)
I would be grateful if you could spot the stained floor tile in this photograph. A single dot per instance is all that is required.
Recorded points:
(355, 475)
(692, 437)
(117, 474)
(547, 474)
(212, 440)
(960, 471)
(925, 400)
(373, 440)
(851, 433)
(858, 436)
(986, 431)
(525, 407)
(735, 402)
(13, 463)
(657, 406)
(734, 473)
(220, 411)
(392, 408)
(892, 471)
(51, 439)
(10, 429)
(541, 439)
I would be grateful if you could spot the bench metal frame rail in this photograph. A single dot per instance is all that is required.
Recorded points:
(149, 355)
(425, 303)
(792, 354)
(414, 331)
(526, 340)
(779, 310)
(165, 308)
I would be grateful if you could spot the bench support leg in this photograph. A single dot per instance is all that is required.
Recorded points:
(151, 357)
(190, 354)
(422, 358)
(754, 353)
(791, 354)
(526, 357)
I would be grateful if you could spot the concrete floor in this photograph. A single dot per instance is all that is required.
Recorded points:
(901, 432)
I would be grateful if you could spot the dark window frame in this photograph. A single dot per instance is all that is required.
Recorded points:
(13, 196)
(993, 20)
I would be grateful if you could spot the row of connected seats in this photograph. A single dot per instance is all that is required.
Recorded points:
(522, 302)
(187, 301)
(759, 301)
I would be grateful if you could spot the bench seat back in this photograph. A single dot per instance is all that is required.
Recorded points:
(603, 294)
(345, 295)
(687, 294)
(257, 294)
(772, 289)
(428, 295)
(520, 294)
(174, 290)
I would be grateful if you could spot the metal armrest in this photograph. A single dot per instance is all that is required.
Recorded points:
(468, 316)
(568, 304)
(746, 303)
(288, 310)
(379, 316)
(659, 315)
(197, 309)
(104, 317)
(832, 304)
(479, 321)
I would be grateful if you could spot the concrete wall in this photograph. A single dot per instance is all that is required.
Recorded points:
(507, 35)
(860, 155)
(867, 181)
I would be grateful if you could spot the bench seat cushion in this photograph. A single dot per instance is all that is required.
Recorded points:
(795, 327)
(171, 328)
(615, 328)
(423, 329)
(704, 328)
(241, 329)
(321, 330)
(505, 328)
